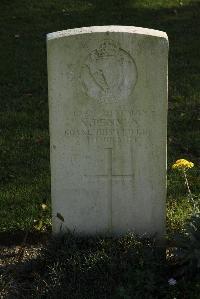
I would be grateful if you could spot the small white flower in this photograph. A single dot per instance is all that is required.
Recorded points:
(44, 207)
(172, 281)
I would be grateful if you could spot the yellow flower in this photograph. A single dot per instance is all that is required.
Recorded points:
(182, 164)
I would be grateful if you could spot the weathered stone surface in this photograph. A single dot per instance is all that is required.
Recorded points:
(108, 122)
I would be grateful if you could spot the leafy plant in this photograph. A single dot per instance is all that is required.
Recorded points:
(183, 166)
(187, 249)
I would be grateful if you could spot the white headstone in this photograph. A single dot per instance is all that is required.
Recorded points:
(108, 123)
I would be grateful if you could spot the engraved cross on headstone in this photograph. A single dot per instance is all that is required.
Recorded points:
(110, 176)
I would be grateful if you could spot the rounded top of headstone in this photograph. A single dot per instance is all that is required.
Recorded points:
(110, 28)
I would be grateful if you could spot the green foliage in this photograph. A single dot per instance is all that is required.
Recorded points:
(74, 267)
(113, 268)
(187, 249)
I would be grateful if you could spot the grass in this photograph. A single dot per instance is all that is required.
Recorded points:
(122, 268)
(24, 139)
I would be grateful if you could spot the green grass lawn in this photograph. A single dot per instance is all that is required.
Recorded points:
(24, 136)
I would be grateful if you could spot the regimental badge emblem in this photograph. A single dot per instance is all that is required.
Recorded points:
(109, 73)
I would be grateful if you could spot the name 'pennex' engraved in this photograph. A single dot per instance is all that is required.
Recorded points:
(109, 73)
(106, 127)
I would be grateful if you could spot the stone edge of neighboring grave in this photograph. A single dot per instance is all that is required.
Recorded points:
(111, 28)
